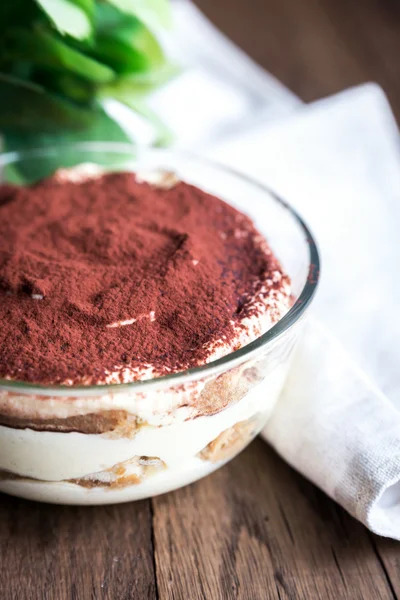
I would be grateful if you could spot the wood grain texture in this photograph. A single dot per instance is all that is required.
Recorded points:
(75, 553)
(256, 530)
(388, 553)
(317, 47)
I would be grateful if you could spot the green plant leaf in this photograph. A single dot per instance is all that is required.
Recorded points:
(86, 5)
(28, 107)
(108, 18)
(72, 17)
(19, 12)
(124, 42)
(132, 48)
(67, 84)
(103, 128)
(139, 85)
(42, 49)
(11, 174)
(154, 13)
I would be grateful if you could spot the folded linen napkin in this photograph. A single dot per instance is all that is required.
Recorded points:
(338, 162)
(220, 90)
(338, 421)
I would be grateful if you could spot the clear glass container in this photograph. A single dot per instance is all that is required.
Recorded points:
(114, 443)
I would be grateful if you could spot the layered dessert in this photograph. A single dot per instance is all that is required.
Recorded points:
(111, 285)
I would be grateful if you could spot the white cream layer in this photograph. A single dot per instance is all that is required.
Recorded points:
(70, 493)
(54, 456)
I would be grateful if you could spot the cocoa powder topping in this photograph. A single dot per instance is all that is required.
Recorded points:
(112, 273)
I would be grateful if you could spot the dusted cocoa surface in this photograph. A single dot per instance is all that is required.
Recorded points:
(110, 276)
(254, 530)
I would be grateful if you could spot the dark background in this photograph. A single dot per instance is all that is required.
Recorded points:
(317, 47)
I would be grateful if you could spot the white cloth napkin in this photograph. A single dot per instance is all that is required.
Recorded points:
(220, 91)
(338, 162)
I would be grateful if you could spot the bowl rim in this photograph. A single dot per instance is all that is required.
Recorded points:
(214, 367)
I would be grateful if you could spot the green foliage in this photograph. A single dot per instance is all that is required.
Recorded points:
(154, 13)
(60, 58)
(25, 106)
(45, 50)
(102, 128)
(70, 16)
(123, 42)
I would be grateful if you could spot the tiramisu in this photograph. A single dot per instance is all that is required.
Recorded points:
(120, 278)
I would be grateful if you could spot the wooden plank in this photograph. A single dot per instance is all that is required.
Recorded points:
(254, 529)
(317, 47)
(75, 553)
(388, 552)
(258, 530)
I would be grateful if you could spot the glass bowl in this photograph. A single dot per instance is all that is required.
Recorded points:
(114, 443)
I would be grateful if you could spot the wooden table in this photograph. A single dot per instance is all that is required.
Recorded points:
(255, 530)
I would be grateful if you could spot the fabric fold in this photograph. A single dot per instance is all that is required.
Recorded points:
(338, 422)
(340, 431)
